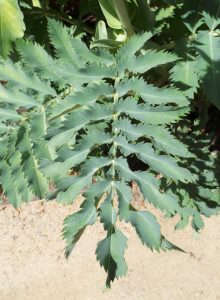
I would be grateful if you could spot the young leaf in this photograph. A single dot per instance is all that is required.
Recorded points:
(145, 113)
(146, 61)
(75, 224)
(147, 228)
(110, 254)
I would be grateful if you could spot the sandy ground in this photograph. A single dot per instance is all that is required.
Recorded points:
(32, 265)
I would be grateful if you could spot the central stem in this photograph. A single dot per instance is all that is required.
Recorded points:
(114, 132)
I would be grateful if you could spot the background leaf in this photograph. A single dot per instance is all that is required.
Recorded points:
(11, 25)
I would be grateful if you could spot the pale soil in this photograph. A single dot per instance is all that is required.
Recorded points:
(32, 266)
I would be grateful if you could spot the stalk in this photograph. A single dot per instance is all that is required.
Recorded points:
(115, 133)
